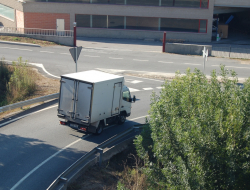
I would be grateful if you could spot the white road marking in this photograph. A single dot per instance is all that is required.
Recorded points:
(38, 65)
(147, 88)
(133, 81)
(58, 152)
(91, 56)
(139, 60)
(152, 51)
(137, 118)
(45, 161)
(46, 52)
(65, 53)
(191, 64)
(41, 66)
(7, 122)
(160, 87)
(233, 67)
(133, 90)
(115, 58)
(165, 62)
(16, 48)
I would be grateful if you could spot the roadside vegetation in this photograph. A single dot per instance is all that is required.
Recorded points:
(20, 82)
(27, 40)
(196, 137)
(17, 82)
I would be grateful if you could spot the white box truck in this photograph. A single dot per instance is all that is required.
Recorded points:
(90, 100)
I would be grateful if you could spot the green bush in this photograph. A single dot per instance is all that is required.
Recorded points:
(198, 135)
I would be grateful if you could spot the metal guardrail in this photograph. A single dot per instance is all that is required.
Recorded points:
(28, 102)
(81, 164)
(37, 31)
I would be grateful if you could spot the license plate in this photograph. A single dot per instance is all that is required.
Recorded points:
(73, 125)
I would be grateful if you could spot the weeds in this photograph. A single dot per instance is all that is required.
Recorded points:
(17, 82)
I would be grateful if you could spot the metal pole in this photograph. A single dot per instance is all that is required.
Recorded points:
(74, 36)
(164, 42)
(76, 59)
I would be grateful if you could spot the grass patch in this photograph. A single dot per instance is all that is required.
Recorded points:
(17, 82)
(27, 40)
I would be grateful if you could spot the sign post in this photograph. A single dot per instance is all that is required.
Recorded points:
(75, 52)
(205, 55)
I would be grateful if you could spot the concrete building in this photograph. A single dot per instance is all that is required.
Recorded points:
(187, 20)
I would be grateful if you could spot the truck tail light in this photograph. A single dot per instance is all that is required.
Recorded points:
(62, 123)
(83, 129)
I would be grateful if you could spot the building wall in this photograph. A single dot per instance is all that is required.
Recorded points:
(127, 10)
(19, 19)
(45, 20)
(13, 4)
(233, 3)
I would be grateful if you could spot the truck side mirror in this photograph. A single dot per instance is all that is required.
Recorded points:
(134, 98)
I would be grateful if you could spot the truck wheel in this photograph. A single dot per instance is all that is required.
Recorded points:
(121, 119)
(99, 129)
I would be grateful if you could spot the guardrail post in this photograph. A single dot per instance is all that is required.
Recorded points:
(100, 151)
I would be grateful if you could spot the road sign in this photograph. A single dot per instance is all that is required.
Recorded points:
(205, 55)
(75, 52)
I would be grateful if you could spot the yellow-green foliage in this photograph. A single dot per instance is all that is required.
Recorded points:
(17, 82)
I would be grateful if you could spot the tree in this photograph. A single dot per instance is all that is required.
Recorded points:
(198, 133)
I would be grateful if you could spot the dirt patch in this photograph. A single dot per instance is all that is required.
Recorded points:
(27, 40)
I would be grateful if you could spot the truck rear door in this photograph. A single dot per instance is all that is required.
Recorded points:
(67, 93)
(83, 101)
(116, 98)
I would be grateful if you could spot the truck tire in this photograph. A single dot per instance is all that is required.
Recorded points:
(121, 119)
(99, 129)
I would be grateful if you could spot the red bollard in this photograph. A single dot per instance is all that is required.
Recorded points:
(74, 36)
(164, 42)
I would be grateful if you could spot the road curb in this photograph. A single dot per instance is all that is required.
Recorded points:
(18, 43)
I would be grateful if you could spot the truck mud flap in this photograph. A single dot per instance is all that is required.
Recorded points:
(91, 129)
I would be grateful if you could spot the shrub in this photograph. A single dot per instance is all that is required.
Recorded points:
(21, 83)
(5, 74)
(198, 135)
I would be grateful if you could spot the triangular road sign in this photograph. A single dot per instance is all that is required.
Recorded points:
(73, 52)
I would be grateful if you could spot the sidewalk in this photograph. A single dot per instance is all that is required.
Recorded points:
(236, 48)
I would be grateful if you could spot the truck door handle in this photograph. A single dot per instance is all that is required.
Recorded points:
(122, 107)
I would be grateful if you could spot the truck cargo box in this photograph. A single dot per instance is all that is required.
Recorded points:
(90, 96)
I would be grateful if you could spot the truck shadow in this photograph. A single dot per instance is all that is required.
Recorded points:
(109, 132)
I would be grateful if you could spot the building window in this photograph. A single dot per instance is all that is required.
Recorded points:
(143, 2)
(141, 23)
(116, 22)
(187, 3)
(83, 20)
(7, 12)
(203, 26)
(180, 25)
(99, 21)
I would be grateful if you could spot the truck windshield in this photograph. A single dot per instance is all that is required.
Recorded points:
(126, 95)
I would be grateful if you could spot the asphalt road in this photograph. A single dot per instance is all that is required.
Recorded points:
(35, 149)
(57, 60)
